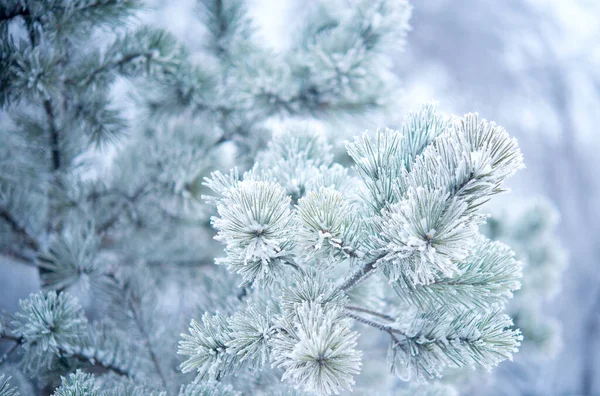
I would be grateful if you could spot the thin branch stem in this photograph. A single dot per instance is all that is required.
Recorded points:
(140, 325)
(141, 328)
(350, 251)
(30, 24)
(78, 355)
(20, 257)
(130, 199)
(392, 331)
(294, 266)
(54, 135)
(242, 293)
(17, 341)
(19, 230)
(377, 325)
(359, 275)
(10, 337)
(370, 312)
(107, 66)
(223, 139)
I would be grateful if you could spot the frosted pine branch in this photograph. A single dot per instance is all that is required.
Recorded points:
(423, 237)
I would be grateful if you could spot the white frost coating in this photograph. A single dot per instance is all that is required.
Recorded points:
(318, 351)
(425, 235)
(50, 324)
(206, 346)
(254, 223)
(327, 225)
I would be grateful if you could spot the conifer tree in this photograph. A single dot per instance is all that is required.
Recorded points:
(317, 256)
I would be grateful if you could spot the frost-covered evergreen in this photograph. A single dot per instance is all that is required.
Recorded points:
(319, 258)
(408, 223)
